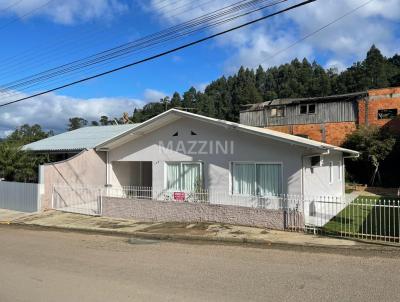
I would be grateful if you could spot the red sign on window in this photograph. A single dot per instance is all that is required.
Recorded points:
(179, 196)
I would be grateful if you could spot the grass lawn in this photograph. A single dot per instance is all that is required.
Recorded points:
(367, 217)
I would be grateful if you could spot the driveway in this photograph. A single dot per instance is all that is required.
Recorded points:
(59, 266)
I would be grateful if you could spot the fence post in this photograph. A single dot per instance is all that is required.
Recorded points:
(52, 197)
(101, 202)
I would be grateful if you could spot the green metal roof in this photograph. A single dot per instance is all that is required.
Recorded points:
(80, 139)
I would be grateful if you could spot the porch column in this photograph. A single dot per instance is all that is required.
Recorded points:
(108, 169)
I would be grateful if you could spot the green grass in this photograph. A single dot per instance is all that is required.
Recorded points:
(375, 216)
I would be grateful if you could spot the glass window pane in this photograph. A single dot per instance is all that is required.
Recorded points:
(303, 109)
(191, 177)
(268, 179)
(311, 108)
(243, 179)
(174, 176)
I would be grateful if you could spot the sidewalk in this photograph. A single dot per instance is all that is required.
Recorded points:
(180, 231)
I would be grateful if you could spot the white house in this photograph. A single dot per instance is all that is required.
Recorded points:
(181, 152)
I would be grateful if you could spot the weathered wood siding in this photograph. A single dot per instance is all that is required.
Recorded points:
(329, 112)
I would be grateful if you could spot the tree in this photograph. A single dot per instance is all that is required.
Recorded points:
(27, 134)
(226, 96)
(104, 121)
(375, 145)
(76, 123)
(176, 100)
(18, 165)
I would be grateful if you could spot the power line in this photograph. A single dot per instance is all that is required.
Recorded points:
(162, 42)
(27, 14)
(10, 6)
(163, 53)
(25, 55)
(319, 30)
(117, 51)
(156, 35)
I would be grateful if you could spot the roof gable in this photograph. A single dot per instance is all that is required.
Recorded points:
(174, 114)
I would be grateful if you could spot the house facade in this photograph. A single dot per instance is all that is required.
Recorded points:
(327, 119)
(183, 152)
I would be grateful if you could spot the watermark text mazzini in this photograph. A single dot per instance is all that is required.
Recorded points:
(198, 147)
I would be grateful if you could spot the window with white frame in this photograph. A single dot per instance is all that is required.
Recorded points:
(184, 176)
(260, 179)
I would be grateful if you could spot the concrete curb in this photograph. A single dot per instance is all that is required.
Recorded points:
(361, 247)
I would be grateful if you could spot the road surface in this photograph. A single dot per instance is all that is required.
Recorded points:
(58, 266)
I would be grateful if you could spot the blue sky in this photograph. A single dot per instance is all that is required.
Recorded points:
(63, 31)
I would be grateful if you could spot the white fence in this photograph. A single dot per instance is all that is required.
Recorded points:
(372, 218)
(77, 199)
(87, 199)
(24, 197)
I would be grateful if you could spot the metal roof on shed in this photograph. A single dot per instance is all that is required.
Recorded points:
(292, 101)
(80, 139)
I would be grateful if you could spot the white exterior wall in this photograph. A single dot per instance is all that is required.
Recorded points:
(216, 167)
(317, 179)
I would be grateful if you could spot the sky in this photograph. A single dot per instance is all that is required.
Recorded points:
(38, 35)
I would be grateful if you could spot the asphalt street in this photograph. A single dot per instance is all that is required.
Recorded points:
(58, 266)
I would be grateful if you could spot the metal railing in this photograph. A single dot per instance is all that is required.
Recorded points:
(277, 202)
(371, 218)
(78, 199)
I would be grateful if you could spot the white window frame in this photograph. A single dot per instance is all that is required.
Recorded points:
(231, 163)
(200, 163)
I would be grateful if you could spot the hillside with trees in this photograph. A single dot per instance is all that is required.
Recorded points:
(226, 96)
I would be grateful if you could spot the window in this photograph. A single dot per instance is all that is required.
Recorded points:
(260, 179)
(331, 172)
(277, 112)
(308, 109)
(315, 161)
(184, 176)
(387, 114)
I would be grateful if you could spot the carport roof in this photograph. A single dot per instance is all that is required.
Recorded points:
(80, 139)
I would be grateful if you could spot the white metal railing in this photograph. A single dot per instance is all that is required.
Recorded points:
(277, 202)
(78, 199)
(371, 218)
(363, 218)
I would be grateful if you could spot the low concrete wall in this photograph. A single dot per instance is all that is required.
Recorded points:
(160, 211)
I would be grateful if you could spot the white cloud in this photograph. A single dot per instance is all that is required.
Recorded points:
(345, 41)
(152, 95)
(53, 111)
(65, 12)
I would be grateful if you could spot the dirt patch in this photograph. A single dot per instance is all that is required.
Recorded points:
(179, 228)
(238, 232)
(112, 225)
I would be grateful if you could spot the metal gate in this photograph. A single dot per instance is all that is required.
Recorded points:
(81, 200)
(16, 196)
